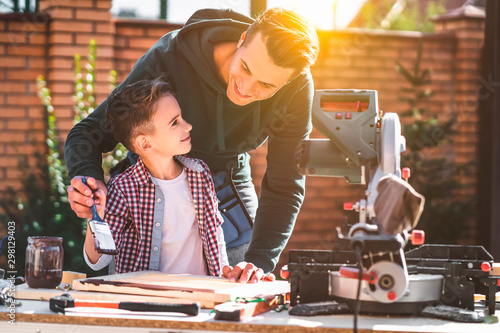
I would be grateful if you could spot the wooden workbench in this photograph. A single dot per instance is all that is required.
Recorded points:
(35, 316)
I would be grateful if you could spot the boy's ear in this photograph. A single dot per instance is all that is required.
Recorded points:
(142, 144)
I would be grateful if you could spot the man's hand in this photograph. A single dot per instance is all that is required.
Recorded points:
(80, 196)
(246, 272)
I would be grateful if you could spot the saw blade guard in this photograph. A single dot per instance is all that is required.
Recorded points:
(392, 282)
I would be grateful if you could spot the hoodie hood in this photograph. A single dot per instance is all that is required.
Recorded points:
(203, 30)
(209, 27)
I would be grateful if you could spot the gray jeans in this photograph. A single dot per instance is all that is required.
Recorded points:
(249, 197)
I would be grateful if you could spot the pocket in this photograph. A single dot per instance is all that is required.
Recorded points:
(237, 226)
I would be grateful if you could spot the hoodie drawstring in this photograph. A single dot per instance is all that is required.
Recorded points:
(220, 123)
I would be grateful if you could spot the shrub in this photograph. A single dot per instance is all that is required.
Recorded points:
(43, 208)
(436, 177)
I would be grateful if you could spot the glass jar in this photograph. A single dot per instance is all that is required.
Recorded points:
(44, 261)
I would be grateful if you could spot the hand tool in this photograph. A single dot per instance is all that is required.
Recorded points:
(103, 239)
(60, 303)
(243, 308)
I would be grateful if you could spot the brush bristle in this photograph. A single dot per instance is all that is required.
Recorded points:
(103, 239)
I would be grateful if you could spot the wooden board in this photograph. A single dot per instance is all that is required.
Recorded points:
(23, 292)
(180, 286)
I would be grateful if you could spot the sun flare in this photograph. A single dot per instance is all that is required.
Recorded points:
(324, 14)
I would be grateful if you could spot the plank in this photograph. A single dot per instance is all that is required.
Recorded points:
(69, 276)
(23, 292)
(181, 286)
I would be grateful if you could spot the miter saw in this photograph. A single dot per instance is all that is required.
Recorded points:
(368, 264)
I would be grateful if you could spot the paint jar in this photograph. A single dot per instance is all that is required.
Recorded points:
(44, 261)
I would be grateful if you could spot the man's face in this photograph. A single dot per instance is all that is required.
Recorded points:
(253, 76)
(171, 136)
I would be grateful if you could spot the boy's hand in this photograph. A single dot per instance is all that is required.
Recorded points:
(246, 273)
(80, 196)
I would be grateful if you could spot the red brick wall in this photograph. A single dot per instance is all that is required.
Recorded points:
(46, 43)
(23, 41)
(133, 38)
(469, 87)
(73, 24)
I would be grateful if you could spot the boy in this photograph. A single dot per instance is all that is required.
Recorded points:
(162, 211)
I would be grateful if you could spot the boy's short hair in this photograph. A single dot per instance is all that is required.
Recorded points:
(291, 40)
(130, 111)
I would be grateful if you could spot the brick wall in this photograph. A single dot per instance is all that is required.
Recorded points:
(469, 87)
(22, 50)
(73, 24)
(46, 43)
(133, 38)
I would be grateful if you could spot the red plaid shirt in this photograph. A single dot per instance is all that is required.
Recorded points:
(130, 209)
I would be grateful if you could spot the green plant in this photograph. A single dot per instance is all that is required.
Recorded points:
(401, 15)
(43, 207)
(18, 6)
(85, 101)
(445, 213)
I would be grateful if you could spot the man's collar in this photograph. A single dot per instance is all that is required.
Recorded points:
(189, 163)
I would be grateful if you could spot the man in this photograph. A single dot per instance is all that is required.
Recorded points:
(238, 82)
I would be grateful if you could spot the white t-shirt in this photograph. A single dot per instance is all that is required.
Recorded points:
(181, 246)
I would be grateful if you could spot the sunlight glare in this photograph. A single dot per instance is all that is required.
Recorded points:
(321, 12)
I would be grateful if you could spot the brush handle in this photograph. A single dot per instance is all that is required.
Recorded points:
(93, 208)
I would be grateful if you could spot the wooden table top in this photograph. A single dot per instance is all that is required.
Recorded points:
(35, 316)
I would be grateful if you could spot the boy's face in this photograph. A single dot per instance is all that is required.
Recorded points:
(253, 76)
(171, 136)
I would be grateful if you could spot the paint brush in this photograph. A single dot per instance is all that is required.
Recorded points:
(103, 239)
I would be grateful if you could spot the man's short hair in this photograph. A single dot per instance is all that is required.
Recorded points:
(291, 40)
(130, 111)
